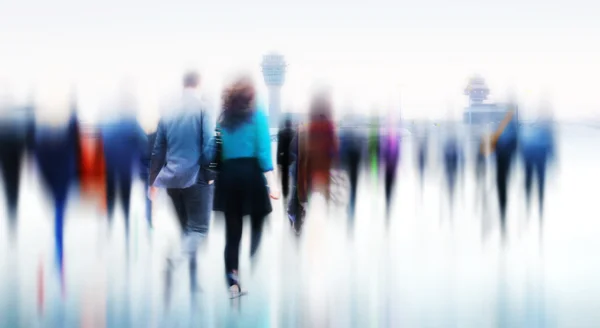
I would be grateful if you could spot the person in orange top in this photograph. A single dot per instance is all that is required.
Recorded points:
(92, 168)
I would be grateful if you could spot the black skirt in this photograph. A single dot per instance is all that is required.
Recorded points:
(241, 188)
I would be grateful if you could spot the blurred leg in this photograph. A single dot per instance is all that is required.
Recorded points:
(193, 274)
(421, 171)
(148, 202)
(541, 178)
(292, 207)
(197, 201)
(390, 177)
(111, 193)
(10, 165)
(256, 222)
(353, 177)
(285, 181)
(233, 236)
(177, 199)
(502, 167)
(59, 215)
(528, 181)
(125, 181)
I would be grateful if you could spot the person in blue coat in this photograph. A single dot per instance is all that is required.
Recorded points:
(57, 153)
(537, 150)
(124, 143)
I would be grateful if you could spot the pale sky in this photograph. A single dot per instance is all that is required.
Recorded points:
(414, 54)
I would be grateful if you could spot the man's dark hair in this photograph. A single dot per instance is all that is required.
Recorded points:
(191, 79)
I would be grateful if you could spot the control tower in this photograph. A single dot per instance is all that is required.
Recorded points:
(480, 112)
(273, 69)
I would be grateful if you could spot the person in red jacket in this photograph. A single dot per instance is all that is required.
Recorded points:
(321, 146)
(312, 152)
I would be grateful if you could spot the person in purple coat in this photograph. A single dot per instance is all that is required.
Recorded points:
(390, 154)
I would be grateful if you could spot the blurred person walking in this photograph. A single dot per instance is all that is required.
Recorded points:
(481, 154)
(284, 139)
(57, 153)
(537, 147)
(92, 168)
(318, 153)
(453, 158)
(296, 210)
(245, 181)
(390, 155)
(124, 143)
(15, 132)
(180, 158)
(313, 150)
(351, 146)
(504, 143)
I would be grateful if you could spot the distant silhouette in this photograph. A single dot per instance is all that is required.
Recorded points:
(390, 155)
(295, 208)
(318, 149)
(284, 139)
(504, 143)
(351, 153)
(537, 150)
(422, 158)
(453, 164)
(57, 152)
(14, 132)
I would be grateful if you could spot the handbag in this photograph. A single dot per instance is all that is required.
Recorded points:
(215, 163)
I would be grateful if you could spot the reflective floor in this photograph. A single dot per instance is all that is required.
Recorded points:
(427, 266)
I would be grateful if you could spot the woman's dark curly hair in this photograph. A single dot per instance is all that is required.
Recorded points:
(238, 103)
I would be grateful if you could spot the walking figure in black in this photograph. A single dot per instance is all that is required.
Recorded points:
(284, 139)
(504, 142)
(15, 133)
(351, 152)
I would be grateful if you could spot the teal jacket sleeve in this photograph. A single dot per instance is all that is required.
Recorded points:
(264, 155)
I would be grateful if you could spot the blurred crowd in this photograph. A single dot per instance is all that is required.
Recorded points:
(317, 147)
(225, 163)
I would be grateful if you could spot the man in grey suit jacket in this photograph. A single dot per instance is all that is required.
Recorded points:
(182, 151)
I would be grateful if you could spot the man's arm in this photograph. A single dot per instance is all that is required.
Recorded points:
(207, 139)
(159, 153)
